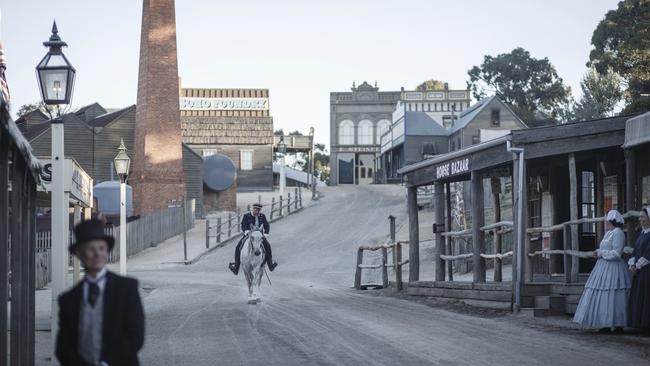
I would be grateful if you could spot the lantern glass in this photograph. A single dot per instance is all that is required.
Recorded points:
(282, 148)
(122, 166)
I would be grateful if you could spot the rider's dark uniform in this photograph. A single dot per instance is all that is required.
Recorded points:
(246, 223)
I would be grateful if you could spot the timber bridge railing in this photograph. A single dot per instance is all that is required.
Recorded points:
(223, 229)
(571, 246)
(397, 263)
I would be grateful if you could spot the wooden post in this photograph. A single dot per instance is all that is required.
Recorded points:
(414, 235)
(496, 200)
(384, 269)
(259, 199)
(398, 265)
(237, 223)
(207, 234)
(450, 266)
(295, 198)
(280, 205)
(573, 206)
(219, 230)
(566, 232)
(600, 198)
(300, 196)
(4, 242)
(229, 224)
(76, 267)
(272, 207)
(288, 203)
(391, 223)
(357, 273)
(630, 192)
(439, 223)
(478, 220)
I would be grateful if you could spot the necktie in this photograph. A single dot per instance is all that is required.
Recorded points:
(93, 293)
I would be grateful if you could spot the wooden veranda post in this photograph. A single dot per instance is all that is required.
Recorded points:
(496, 199)
(630, 191)
(573, 206)
(478, 220)
(450, 266)
(398, 266)
(439, 223)
(414, 235)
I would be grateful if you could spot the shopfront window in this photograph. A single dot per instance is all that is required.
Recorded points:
(365, 133)
(346, 133)
(588, 201)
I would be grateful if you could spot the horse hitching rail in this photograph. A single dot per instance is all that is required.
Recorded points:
(397, 263)
(495, 228)
(571, 266)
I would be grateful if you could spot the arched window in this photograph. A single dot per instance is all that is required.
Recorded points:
(365, 133)
(382, 127)
(346, 133)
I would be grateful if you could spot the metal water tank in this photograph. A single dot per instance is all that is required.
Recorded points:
(108, 198)
(219, 172)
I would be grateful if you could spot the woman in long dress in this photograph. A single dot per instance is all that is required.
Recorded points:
(604, 300)
(639, 307)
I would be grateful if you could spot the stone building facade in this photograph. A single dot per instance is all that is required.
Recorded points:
(358, 118)
(233, 122)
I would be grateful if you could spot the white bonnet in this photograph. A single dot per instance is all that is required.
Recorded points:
(614, 215)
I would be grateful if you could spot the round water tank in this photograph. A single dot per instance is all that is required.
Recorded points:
(218, 172)
(108, 198)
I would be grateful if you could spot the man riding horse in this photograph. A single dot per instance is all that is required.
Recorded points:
(257, 219)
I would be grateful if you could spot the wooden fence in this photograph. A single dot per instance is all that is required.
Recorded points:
(141, 234)
(222, 230)
(396, 264)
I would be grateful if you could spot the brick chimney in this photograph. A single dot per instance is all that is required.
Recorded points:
(157, 175)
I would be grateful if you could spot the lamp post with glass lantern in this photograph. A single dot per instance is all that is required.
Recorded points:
(282, 149)
(122, 164)
(56, 78)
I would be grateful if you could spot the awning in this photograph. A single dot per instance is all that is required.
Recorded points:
(637, 131)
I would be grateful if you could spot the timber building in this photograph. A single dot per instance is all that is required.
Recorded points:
(233, 122)
(565, 178)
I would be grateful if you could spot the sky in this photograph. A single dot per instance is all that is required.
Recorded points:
(300, 50)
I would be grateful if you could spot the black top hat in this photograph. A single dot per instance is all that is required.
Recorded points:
(90, 230)
(257, 205)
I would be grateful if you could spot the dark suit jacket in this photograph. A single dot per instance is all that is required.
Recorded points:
(123, 329)
(249, 220)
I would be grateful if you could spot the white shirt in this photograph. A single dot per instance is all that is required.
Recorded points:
(91, 320)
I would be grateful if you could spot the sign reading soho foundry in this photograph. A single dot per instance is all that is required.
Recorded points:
(220, 104)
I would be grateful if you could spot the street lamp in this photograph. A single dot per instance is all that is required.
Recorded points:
(312, 164)
(282, 149)
(122, 164)
(56, 77)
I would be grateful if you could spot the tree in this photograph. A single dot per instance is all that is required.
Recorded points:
(295, 133)
(527, 84)
(622, 44)
(27, 108)
(600, 95)
(279, 132)
(431, 84)
(321, 162)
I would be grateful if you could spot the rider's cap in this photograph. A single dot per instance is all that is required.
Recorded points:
(257, 205)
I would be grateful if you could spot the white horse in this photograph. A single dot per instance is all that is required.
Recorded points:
(252, 258)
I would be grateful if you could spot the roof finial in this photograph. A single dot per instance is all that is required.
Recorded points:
(55, 30)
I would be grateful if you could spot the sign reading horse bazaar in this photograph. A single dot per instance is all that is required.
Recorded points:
(452, 168)
(224, 103)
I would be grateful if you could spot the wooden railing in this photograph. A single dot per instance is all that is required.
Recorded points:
(497, 229)
(397, 263)
(224, 229)
(570, 249)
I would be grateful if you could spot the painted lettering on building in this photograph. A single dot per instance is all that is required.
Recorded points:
(452, 168)
(207, 104)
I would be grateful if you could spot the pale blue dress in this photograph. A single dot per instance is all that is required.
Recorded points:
(604, 300)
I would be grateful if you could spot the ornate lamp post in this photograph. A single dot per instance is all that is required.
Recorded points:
(56, 77)
(122, 164)
(282, 149)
